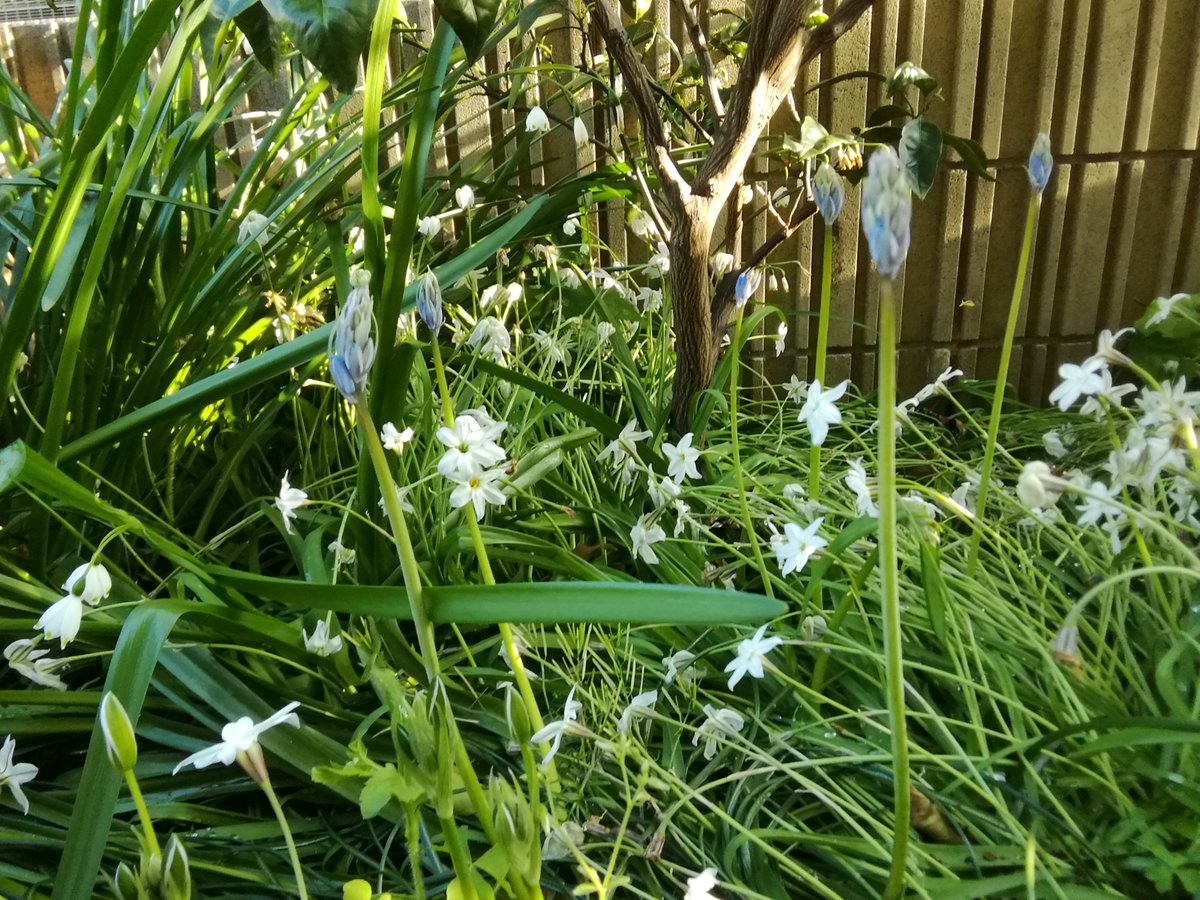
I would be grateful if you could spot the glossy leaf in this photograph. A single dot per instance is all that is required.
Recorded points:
(472, 21)
(910, 74)
(920, 150)
(331, 34)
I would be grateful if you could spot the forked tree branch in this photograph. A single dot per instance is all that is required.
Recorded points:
(779, 46)
(703, 57)
(637, 81)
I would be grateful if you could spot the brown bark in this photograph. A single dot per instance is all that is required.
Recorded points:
(778, 47)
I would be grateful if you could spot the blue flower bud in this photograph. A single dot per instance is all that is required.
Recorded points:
(429, 301)
(746, 286)
(1041, 163)
(886, 211)
(351, 347)
(829, 192)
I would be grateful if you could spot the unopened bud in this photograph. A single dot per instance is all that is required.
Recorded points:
(429, 301)
(177, 877)
(119, 739)
(125, 883)
(886, 211)
(351, 347)
(746, 286)
(1041, 163)
(829, 192)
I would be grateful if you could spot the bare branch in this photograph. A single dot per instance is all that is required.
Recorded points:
(723, 294)
(778, 47)
(700, 45)
(637, 80)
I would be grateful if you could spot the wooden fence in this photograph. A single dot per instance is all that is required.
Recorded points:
(1116, 83)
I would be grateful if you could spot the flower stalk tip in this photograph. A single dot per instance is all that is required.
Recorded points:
(886, 211)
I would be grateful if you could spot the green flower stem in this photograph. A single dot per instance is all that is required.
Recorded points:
(1010, 331)
(485, 567)
(889, 576)
(135, 791)
(408, 559)
(814, 453)
(301, 887)
(420, 616)
(412, 836)
(739, 478)
(460, 858)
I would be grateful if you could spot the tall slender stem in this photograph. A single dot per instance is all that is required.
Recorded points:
(507, 637)
(814, 453)
(1010, 331)
(747, 521)
(301, 887)
(889, 577)
(135, 791)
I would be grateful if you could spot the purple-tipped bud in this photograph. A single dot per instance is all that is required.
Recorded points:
(747, 285)
(829, 192)
(1041, 163)
(351, 347)
(886, 211)
(429, 301)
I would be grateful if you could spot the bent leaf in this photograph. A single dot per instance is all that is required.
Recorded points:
(472, 21)
(331, 34)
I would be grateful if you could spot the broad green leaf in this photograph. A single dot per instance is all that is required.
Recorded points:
(472, 21)
(920, 150)
(332, 34)
(935, 589)
(260, 31)
(970, 152)
(77, 239)
(543, 601)
(384, 785)
(908, 73)
(228, 9)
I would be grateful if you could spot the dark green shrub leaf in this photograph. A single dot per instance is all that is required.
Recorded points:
(472, 21)
(920, 150)
(230, 9)
(261, 33)
(971, 153)
(331, 34)
(910, 74)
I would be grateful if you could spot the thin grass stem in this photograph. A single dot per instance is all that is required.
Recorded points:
(1010, 331)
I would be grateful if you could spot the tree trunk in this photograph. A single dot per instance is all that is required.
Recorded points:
(695, 344)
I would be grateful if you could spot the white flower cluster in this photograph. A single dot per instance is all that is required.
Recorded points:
(1153, 448)
(471, 460)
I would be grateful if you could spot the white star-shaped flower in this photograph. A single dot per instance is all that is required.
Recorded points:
(681, 459)
(700, 887)
(820, 410)
(1078, 381)
(14, 775)
(625, 445)
(554, 731)
(796, 390)
(750, 655)
(289, 500)
(393, 439)
(1163, 307)
(470, 448)
(239, 737)
(479, 490)
(640, 705)
(796, 545)
(718, 723)
(643, 536)
(321, 642)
